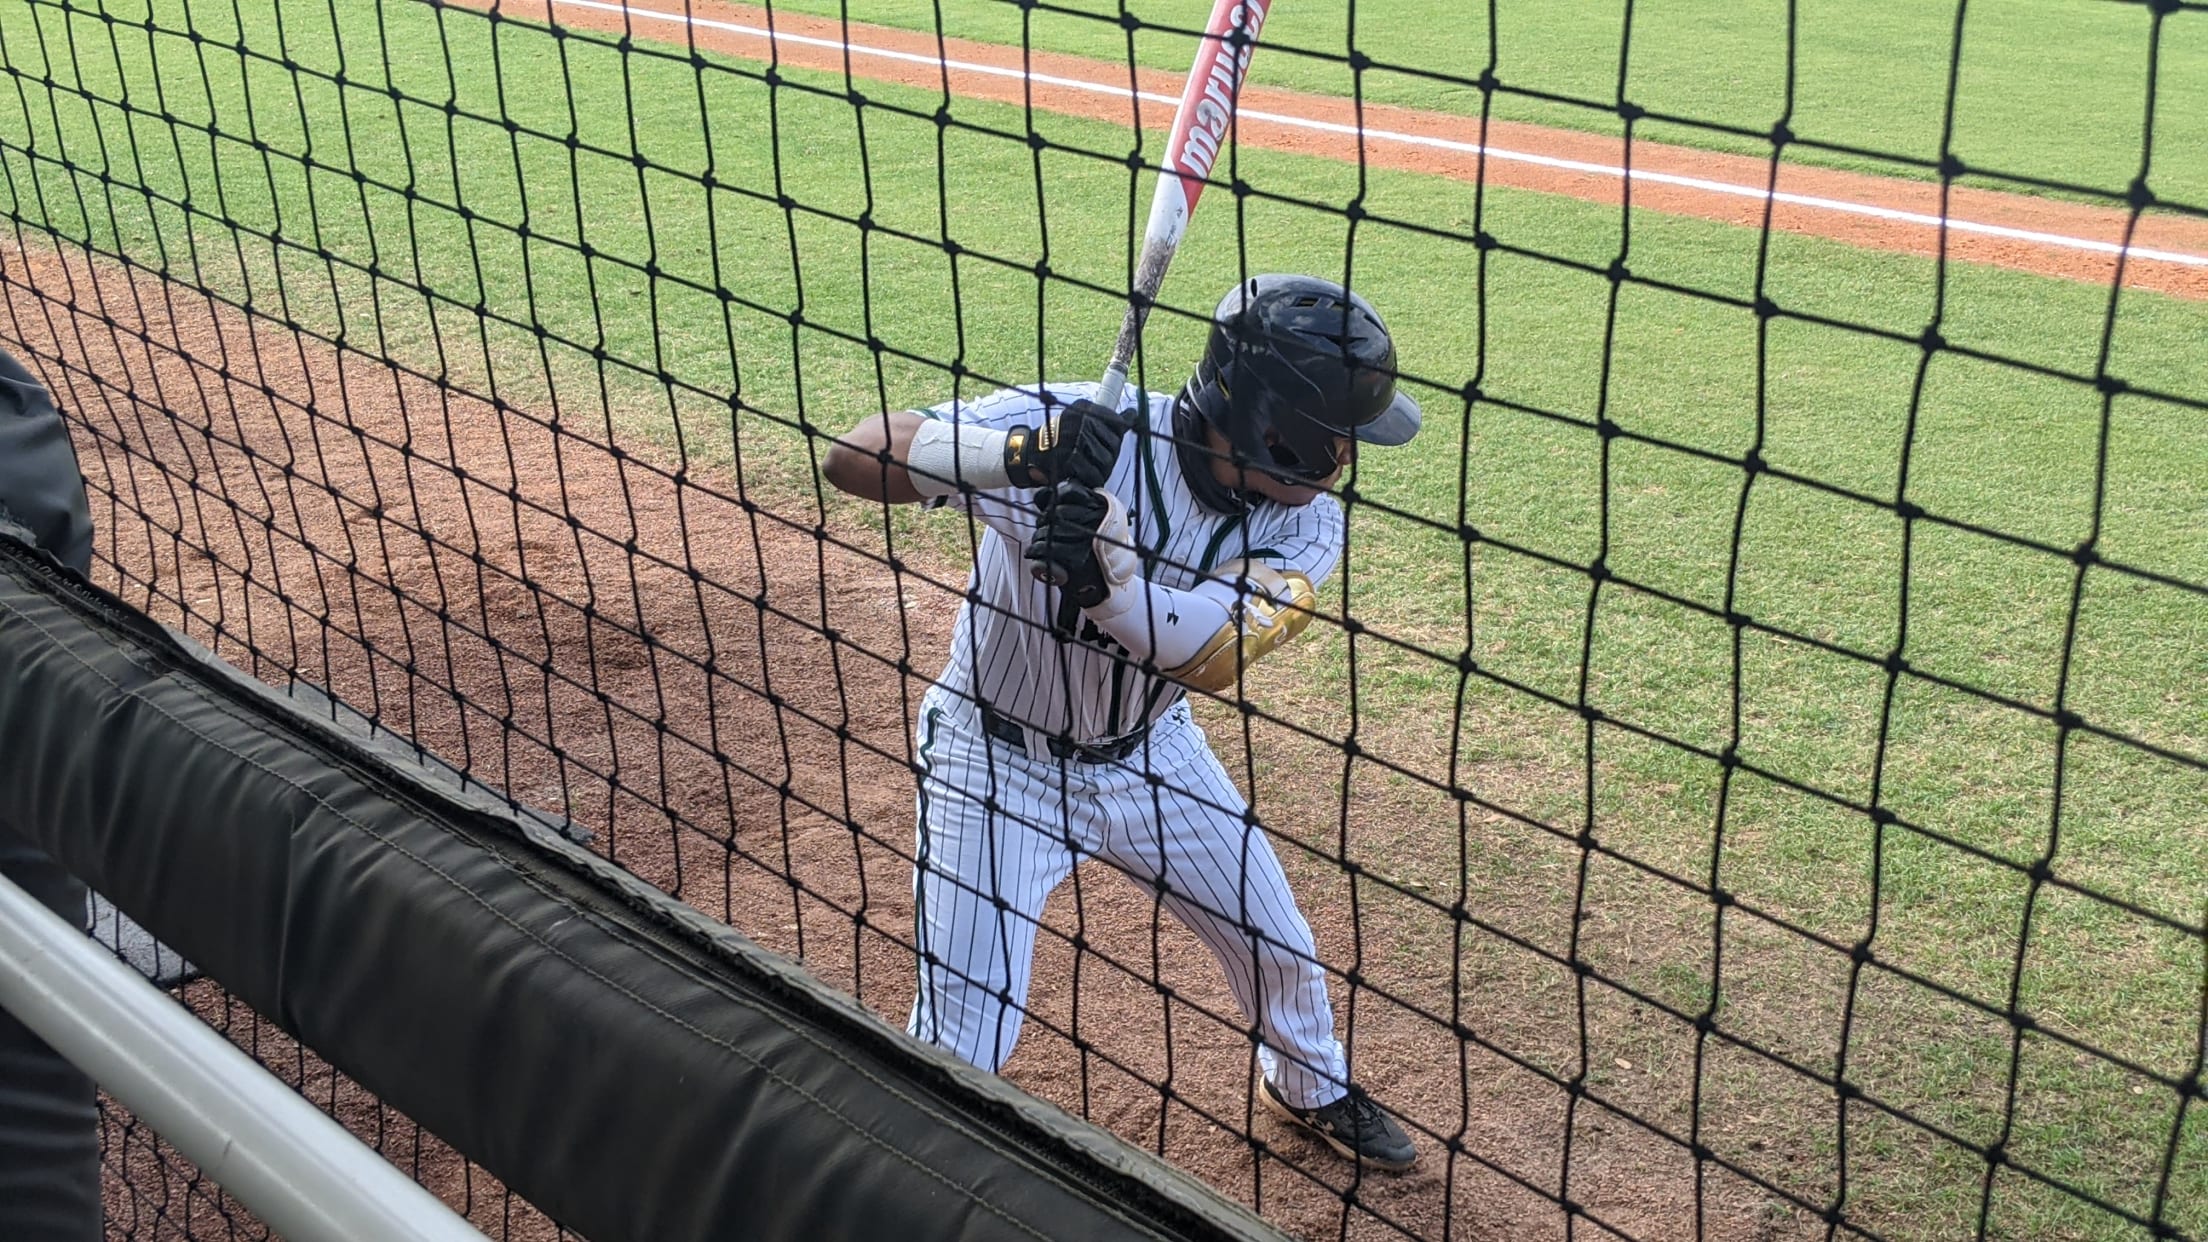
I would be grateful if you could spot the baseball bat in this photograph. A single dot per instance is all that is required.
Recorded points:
(1200, 126)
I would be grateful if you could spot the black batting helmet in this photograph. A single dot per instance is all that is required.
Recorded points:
(1294, 363)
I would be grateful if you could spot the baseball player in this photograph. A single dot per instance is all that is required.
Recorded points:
(1189, 549)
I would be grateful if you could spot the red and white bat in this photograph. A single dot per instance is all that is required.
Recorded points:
(1200, 128)
(1200, 131)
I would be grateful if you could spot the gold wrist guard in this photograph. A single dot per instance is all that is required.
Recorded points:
(1273, 607)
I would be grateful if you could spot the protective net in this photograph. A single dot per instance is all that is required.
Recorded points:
(1745, 775)
(151, 1191)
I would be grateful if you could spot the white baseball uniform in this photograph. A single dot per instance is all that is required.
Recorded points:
(1000, 826)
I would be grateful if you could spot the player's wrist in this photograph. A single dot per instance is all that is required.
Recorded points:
(1119, 600)
(1078, 443)
(1025, 451)
(1118, 564)
(944, 458)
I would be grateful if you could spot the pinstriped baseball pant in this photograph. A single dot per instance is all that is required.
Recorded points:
(998, 830)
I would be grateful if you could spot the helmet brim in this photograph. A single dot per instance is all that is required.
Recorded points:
(1396, 424)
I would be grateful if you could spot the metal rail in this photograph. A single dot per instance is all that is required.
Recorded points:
(294, 1167)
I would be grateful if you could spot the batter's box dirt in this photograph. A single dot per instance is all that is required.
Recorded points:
(724, 698)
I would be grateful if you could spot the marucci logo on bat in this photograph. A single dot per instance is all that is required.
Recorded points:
(1200, 125)
(1230, 59)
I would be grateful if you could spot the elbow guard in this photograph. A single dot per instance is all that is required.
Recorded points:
(1271, 607)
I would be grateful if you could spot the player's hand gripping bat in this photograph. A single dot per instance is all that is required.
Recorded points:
(1200, 128)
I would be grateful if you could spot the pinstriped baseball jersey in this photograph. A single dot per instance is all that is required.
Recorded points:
(1003, 651)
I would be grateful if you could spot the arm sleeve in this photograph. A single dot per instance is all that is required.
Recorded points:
(1171, 627)
(1007, 510)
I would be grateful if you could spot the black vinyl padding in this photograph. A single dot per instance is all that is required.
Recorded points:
(633, 1068)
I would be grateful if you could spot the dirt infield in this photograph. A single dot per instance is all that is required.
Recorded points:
(2163, 231)
(725, 696)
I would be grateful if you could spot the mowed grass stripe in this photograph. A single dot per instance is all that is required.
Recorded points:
(2053, 92)
(1990, 444)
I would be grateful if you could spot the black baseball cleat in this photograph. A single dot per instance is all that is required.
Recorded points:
(1353, 1125)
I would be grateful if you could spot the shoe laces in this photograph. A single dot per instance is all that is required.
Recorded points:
(1363, 1115)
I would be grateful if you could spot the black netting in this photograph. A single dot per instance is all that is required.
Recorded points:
(153, 1192)
(1746, 776)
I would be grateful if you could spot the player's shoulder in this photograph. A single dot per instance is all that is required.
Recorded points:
(1316, 526)
(1003, 403)
(1017, 400)
(1323, 513)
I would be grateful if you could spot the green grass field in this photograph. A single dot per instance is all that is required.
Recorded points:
(1986, 444)
(2054, 91)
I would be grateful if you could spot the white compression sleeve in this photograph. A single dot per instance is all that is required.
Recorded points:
(1164, 625)
(944, 458)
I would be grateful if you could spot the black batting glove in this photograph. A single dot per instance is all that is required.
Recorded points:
(1064, 547)
(1078, 445)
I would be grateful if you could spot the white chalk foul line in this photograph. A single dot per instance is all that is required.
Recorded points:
(1613, 171)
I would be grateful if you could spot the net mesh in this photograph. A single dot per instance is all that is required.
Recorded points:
(1745, 778)
(152, 1192)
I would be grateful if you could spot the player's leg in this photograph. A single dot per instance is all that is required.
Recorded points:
(989, 853)
(1227, 886)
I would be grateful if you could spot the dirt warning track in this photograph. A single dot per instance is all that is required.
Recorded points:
(2167, 253)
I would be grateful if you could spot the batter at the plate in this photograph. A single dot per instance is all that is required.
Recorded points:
(1192, 547)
